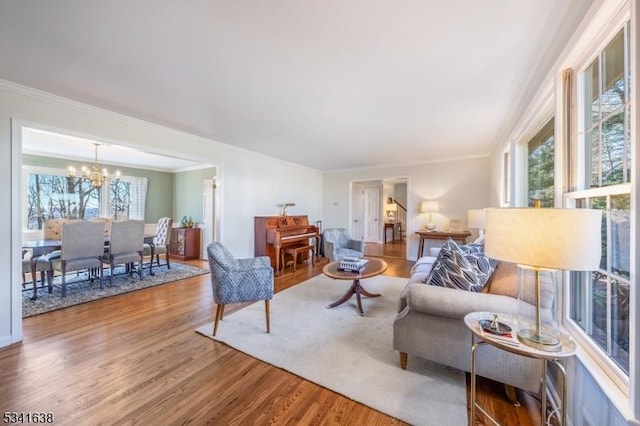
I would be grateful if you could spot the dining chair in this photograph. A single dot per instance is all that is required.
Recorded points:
(52, 228)
(43, 265)
(82, 247)
(161, 241)
(125, 246)
(238, 280)
(106, 221)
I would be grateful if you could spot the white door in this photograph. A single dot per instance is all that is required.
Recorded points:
(357, 212)
(371, 215)
(208, 204)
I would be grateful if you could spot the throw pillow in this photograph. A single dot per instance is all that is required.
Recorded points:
(483, 265)
(472, 248)
(461, 267)
(503, 281)
(451, 269)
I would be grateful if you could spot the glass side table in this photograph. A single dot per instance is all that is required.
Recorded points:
(480, 338)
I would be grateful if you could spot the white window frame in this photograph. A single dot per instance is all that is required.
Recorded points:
(105, 202)
(601, 359)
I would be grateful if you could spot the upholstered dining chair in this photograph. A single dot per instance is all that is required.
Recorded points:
(238, 280)
(43, 265)
(125, 246)
(338, 244)
(106, 221)
(161, 241)
(82, 248)
(52, 228)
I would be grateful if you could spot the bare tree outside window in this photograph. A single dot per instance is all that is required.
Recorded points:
(58, 197)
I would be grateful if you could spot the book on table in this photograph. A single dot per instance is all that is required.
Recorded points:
(353, 264)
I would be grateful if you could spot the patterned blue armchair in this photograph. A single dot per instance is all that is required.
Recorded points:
(238, 280)
(338, 244)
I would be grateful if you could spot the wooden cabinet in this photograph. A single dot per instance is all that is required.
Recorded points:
(185, 243)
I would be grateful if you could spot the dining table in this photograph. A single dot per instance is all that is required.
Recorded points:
(41, 247)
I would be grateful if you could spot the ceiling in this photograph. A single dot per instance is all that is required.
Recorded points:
(328, 84)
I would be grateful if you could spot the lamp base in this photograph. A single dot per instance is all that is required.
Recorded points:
(430, 227)
(542, 341)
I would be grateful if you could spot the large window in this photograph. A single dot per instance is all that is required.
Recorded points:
(599, 300)
(50, 194)
(540, 166)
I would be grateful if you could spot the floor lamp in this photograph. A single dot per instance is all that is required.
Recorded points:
(541, 239)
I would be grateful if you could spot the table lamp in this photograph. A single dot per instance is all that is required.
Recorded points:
(429, 206)
(391, 209)
(542, 239)
(475, 220)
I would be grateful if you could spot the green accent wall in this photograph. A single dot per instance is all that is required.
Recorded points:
(188, 193)
(160, 189)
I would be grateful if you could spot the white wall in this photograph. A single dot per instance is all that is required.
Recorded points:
(458, 185)
(250, 184)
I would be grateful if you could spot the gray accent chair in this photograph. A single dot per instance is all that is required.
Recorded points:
(82, 248)
(125, 246)
(338, 244)
(161, 241)
(238, 280)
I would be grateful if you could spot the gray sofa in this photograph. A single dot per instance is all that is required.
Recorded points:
(430, 325)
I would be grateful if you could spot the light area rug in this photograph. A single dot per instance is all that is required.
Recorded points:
(349, 354)
(81, 290)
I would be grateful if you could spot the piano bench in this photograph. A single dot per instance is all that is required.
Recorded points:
(295, 251)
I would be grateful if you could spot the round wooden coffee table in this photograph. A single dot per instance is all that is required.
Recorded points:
(374, 267)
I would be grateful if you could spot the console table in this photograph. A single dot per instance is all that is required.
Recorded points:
(391, 226)
(457, 236)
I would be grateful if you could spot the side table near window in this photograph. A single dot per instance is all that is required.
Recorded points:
(459, 237)
(480, 338)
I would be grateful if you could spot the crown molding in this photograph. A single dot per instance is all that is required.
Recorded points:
(40, 95)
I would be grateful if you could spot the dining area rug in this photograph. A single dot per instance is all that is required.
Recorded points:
(82, 290)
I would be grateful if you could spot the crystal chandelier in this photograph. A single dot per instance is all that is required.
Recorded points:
(94, 175)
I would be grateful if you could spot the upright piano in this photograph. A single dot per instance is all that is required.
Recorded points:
(272, 233)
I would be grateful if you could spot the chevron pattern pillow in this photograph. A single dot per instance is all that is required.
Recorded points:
(458, 269)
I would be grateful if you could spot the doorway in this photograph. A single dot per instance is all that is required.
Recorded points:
(372, 218)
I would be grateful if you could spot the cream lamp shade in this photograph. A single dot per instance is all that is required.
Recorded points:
(566, 239)
(544, 239)
(475, 218)
(428, 206)
(391, 209)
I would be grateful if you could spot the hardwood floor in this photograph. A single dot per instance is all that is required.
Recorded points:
(135, 358)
